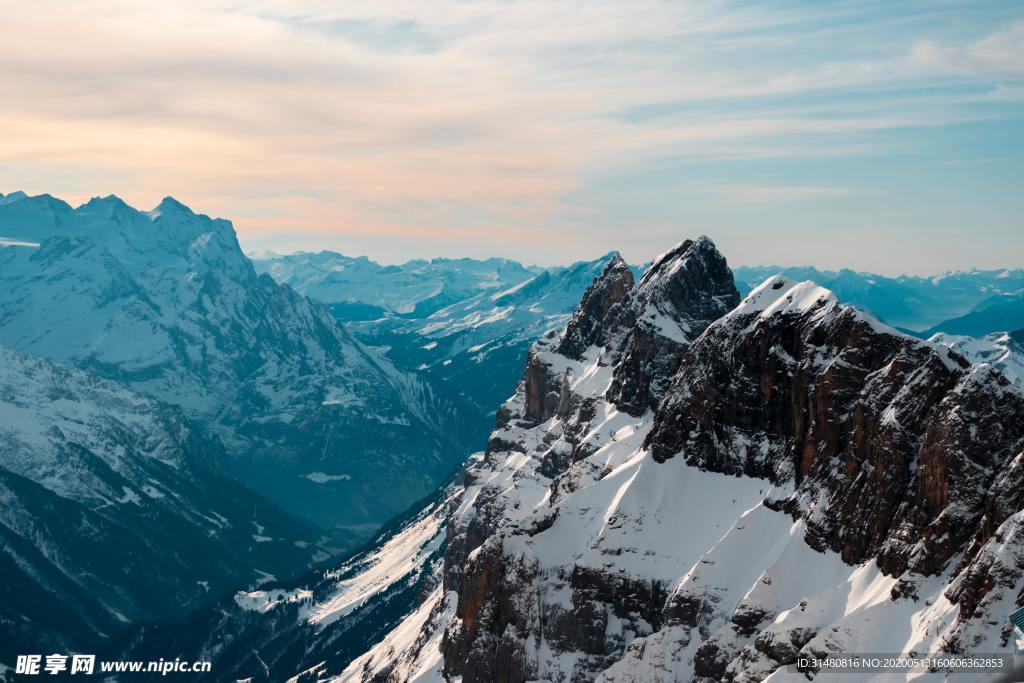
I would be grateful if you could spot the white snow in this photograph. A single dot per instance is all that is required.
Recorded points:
(397, 558)
(781, 295)
(404, 650)
(323, 478)
(997, 350)
(8, 242)
(264, 601)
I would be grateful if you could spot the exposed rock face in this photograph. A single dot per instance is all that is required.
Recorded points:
(712, 488)
(588, 324)
(893, 443)
(677, 298)
(636, 335)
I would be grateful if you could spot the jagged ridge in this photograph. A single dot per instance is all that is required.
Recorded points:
(856, 474)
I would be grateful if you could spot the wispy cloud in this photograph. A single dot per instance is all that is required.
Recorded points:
(998, 55)
(472, 121)
(763, 194)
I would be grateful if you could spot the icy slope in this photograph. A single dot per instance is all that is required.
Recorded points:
(317, 623)
(166, 302)
(686, 486)
(114, 511)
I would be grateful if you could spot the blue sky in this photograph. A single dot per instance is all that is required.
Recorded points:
(883, 136)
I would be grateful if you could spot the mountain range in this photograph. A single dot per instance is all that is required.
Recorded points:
(687, 484)
(968, 302)
(468, 323)
(175, 424)
(165, 302)
(691, 486)
(700, 475)
(116, 509)
(356, 288)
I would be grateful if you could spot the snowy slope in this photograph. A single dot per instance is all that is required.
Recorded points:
(686, 486)
(998, 349)
(909, 302)
(317, 623)
(166, 302)
(114, 511)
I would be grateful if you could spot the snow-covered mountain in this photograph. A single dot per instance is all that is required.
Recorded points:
(1002, 350)
(689, 486)
(477, 346)
(360, 289)
(935, 303)
(457, 321)
(114, 510)
(317, 622)
(165, 302)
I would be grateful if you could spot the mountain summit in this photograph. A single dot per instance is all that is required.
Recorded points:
(689, 486)
(166, 303)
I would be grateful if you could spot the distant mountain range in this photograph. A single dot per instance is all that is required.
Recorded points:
(464, 323)
(468, 323)
(360, 289)
(973, 302)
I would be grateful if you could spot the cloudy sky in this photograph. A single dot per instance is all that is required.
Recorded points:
(880, 135)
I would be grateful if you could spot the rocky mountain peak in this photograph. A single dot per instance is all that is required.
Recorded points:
(168, 206)
(683, 292)
(899, 436)
(589, 544)
(588, 325)
(691, 281)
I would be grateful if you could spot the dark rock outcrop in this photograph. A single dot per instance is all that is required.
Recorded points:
(895, 454)
(896, 442)
(682, 293)
(589, 322)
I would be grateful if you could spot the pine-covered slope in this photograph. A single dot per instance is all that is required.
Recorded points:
(165, 302)
(688, 486)
(114, 510)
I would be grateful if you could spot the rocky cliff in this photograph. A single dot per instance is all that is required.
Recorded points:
(688, 486)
